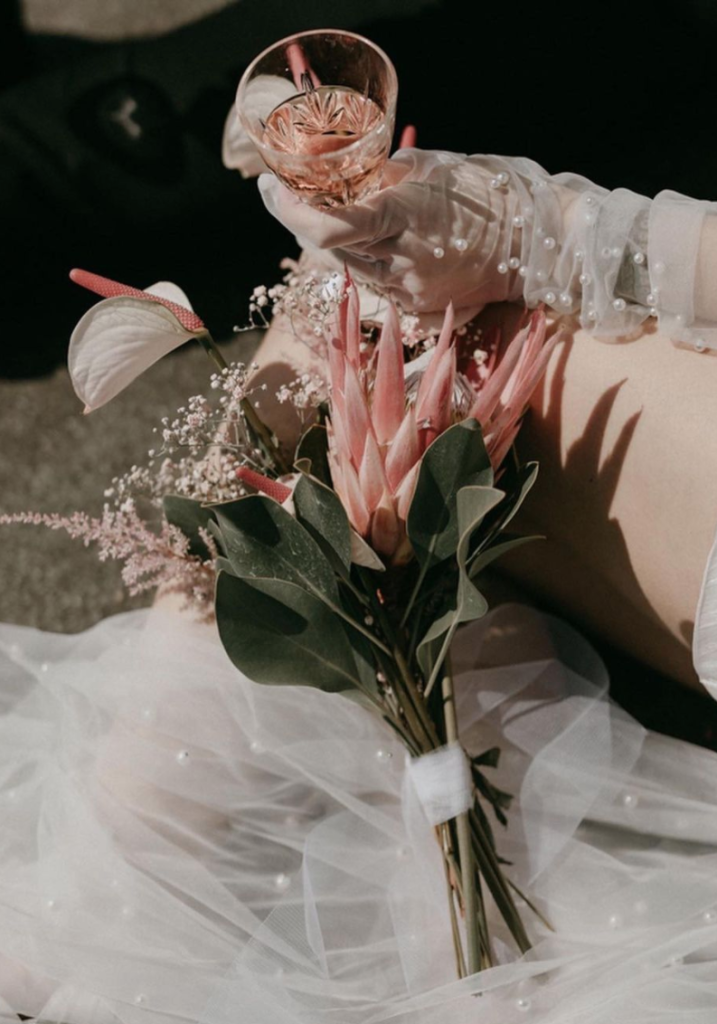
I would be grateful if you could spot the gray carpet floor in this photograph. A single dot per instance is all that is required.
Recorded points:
(54, 459)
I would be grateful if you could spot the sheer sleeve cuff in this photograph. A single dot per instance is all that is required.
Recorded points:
(675, 235)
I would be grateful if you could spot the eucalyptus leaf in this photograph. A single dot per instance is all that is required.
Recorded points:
(472, 506)
(517, 490)
(312, 453)
(189, 516)
(489, 758)
(320, 512)
(222, 564)
(264, 541)
(215, 531)
(481, 561)
(456, 458)
(278, 633)
(363, 554)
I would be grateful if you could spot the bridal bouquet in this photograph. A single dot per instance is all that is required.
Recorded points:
(349, 562)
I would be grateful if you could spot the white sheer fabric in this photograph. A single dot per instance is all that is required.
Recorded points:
(179, 844)
(482, 229)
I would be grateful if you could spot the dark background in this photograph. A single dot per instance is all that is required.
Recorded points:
(621, 95)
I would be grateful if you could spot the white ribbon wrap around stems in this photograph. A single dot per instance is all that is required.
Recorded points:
(443, 783)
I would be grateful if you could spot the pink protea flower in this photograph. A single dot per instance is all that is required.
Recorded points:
(378, 433)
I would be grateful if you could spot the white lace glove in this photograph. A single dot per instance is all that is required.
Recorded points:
(480, 229)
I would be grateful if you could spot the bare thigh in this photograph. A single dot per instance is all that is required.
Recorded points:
(626, 497)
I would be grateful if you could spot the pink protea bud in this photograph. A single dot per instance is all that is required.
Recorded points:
(372, 477)
(272, 488)
(409, 137)
(405, 451)
(389, 402)
(109, 289)
(349, 321)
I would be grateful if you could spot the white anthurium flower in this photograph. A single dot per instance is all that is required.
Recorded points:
(122, 336)
(238, 151)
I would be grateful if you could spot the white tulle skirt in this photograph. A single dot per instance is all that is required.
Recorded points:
(180, 844)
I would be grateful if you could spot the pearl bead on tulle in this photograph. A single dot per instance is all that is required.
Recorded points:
(502, 268)
(549, 242)
(439, 252)
(523, 271)
(619, 305)
(523, 1004)
(638, 258)
(461, 244)
(700, 345)
(565, 299)
(519, 221)
(513, 262)
(541, 275)
(139, 1000)
(282, 882)
(550, 297)
(629, 800)
(183, 756)
(256, 747)
(585, 279)
(383, 756)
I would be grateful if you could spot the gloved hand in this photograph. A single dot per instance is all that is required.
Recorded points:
(444, 227)
(481, 229)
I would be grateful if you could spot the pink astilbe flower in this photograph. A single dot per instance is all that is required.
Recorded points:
(378, 434)
(151, 559)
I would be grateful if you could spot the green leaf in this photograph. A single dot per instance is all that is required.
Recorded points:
(190, 516)
(472, 506)
(264, 541)
(363, 554)
(278, 633)
(222, 564)
(517, 486)
(496, 550)
(312, 453)
(215, 531)
(489, 758)
(320, 512)
(456, 458)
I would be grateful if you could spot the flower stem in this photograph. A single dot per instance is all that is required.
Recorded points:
(463, 833)
(258, 428)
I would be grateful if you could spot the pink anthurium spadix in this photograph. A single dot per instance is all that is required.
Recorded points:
(379, 430)
(122, 336)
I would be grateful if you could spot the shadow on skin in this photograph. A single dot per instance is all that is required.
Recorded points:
(583, 570)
